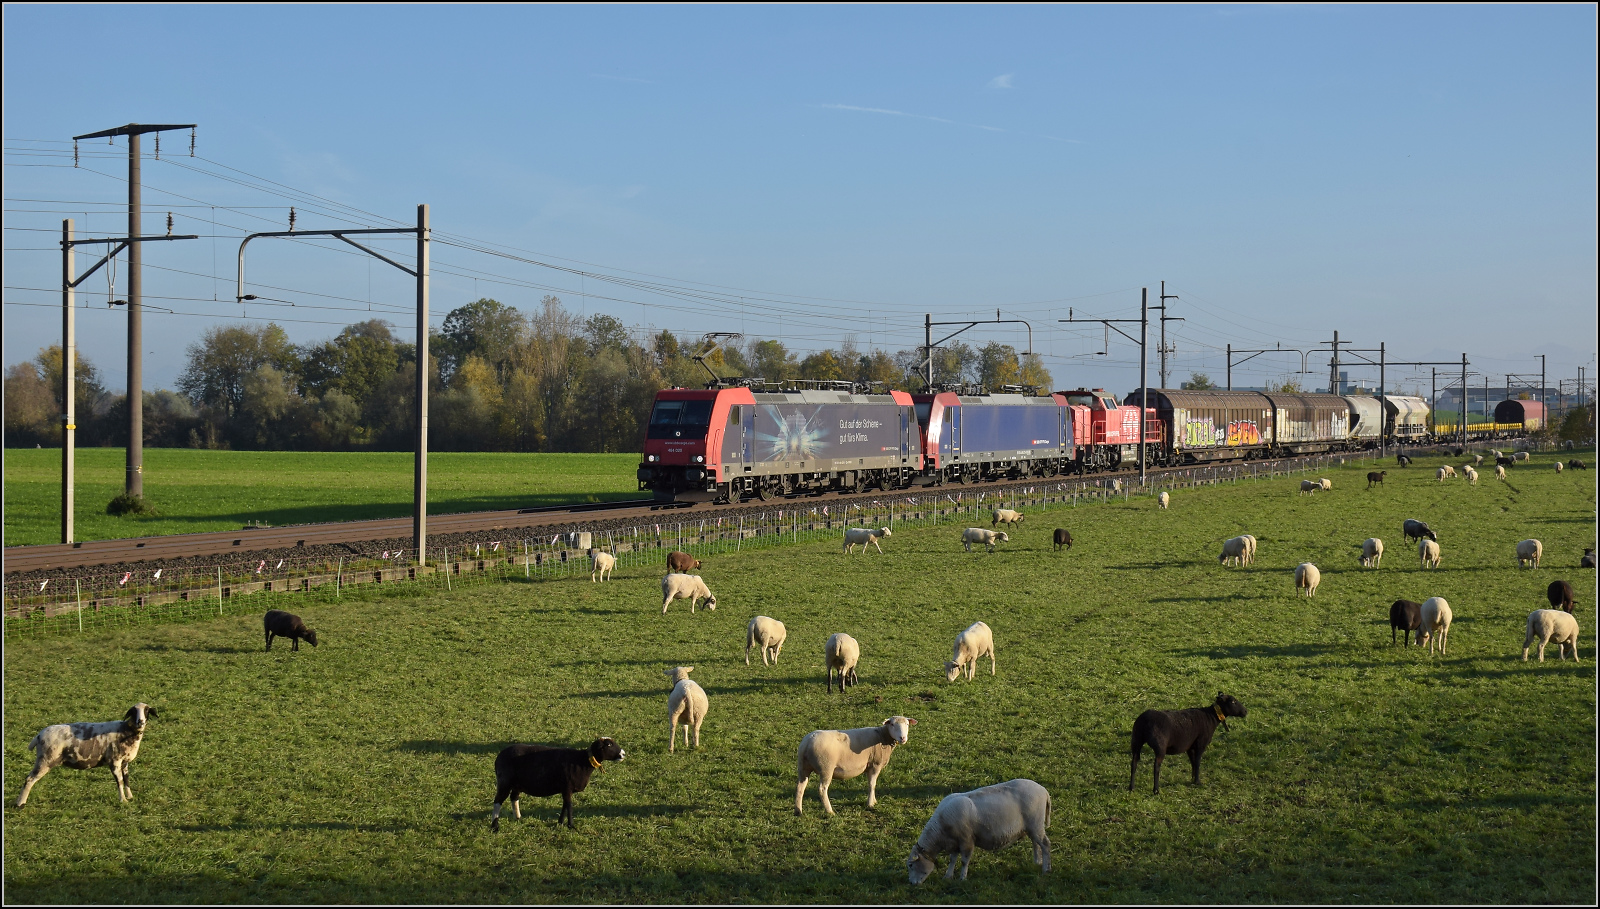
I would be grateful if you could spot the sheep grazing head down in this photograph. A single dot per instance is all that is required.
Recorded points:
(920, 864)
(710, 603)
(900, 728)
(310, 637)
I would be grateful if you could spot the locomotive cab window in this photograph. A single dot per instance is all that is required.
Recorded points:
(1081, 400)
(923, 412)
(679, 419)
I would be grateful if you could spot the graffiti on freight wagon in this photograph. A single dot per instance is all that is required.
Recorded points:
(1203, 433)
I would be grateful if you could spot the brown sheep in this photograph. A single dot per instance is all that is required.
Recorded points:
(681, 562)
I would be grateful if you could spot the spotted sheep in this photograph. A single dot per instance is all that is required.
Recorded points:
(84, 746)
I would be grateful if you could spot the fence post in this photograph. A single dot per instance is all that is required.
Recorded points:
(219, 590)
(338, 580)
(447, 569)
(78, 593)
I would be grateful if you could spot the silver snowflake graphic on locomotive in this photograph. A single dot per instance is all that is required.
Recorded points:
(796, 439)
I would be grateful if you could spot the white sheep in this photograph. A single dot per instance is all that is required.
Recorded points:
(848, 753)
(1310, 486)
(1470, 474)
(1559, 466)
(992, 818)
(986, 537)
(1436, 618)
(1250, 548)
(977, 641)
(686, 705)
(1477, 460)
(84, 746)
(1546, 625)
(685, 587)
(767, 632)
(1307, 577)
(1006, 516)
(1499, 471)
(1163, 499)
(1327, 484)
(1116, 485)
(1236, 549)
(861, 536)
(1428, 551)
(842, 653)
(1446, 471)
(1529, 552)
(1371, 552)
(1520, 456)
(601, 563)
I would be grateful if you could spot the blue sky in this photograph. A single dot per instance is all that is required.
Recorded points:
(1420, 176)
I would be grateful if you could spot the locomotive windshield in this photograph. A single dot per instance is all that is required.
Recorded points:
(679, 419)
(1081, 400)
(923, 411)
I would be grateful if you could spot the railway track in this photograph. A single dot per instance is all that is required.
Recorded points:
(449, 529)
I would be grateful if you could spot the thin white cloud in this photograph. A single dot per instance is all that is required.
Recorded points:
(901, 113)
(1001, 81)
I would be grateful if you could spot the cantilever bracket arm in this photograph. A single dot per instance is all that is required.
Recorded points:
(239, 295)
(122, 243)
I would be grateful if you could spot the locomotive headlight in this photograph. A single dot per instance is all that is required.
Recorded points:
(699, 459)
(651, 458)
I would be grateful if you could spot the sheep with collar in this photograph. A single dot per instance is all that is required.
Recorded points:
(991, 818)
(1180, 731)
(84, 746)
(847, 754)
(540, 770)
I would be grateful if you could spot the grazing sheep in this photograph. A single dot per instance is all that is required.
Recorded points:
(1406, 616)
(1250, 548)
(1178, 731)
(1521, 456)
(1416, 530)
(1163, 500)
(842, 652)
(1436, 618)
(1446, 471)
(846, 754)
(1546, 625)
(1503, 461)
(601, 563)
(1499, 472)
(977, 641)
(1237, 549)
(992, 818)
(1005, 516)
(1496, 453)
(1327, 484)
(1559, 466)
(540, 770)
(1116, 485)
(861, 536)
(1376, 477)
(1477, 460)
(1588, 559)
(1568, 445)
(1371, 552)
(1470, 474)
(986, 537)
(1310, 486)
(1559, 593)
(287, 625)
(84, 746)
(1063, 537)
(686, 705)
(682, 562)
(1307, 577)
(1529, 552)
(767, 632)
(685, 587)
(1576, 464)
(1428, 552)
(1402, 460)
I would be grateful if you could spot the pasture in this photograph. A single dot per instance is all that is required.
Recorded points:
(362, 771)
(197, 490)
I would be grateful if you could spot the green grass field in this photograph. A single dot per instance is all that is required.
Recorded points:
(197, 491)
(362, 771)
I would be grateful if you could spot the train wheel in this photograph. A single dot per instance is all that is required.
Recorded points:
(764, 493)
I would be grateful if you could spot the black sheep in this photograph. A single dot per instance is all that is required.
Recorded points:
(541, 770)
(1576, 464)
(1416, 530)
(1504, 461)
(287, 625)
(1402, 460)
(1406, 616)
(1588, 558)
(1376, 476)
(1176, 731)
(1560, 595)
(1063, 538)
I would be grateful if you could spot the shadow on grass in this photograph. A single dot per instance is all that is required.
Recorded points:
(1241, 651)
(169, 648)
(440, 746)
(256, 827)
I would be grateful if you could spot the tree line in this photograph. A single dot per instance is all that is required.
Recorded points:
(499, 379)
